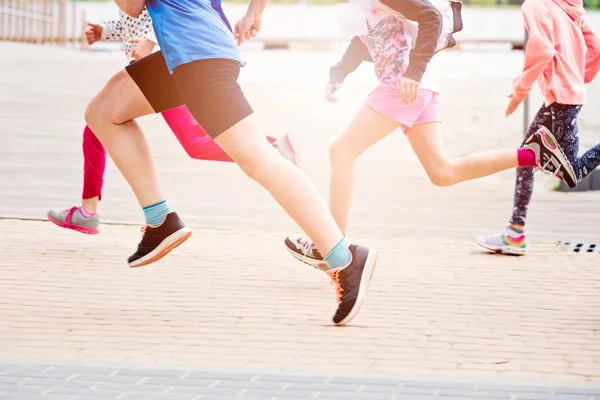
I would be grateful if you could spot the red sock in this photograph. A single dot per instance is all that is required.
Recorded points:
(526, 158)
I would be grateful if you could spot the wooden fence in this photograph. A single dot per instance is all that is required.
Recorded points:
(42, 22)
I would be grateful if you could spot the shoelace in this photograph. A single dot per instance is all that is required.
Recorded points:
(335, 275)
(143, 229)
(550, 161)
(69, 215)
(335, 281)
(306, 247)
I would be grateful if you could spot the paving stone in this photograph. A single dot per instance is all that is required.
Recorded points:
(153, 373)
(41, 375)
(82, 370)
(179, 382)
(56, 383)
(105, 378)
(297, 378)
(22, 388)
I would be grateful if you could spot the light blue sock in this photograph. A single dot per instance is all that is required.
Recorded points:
(156, 213)
(339, 256)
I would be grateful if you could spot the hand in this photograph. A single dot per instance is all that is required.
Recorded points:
(93, 33)
(142, 48)
(247, 27)
(330, 90)
(409, 90)
(512, 106)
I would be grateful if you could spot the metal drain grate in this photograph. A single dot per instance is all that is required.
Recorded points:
(575, 247)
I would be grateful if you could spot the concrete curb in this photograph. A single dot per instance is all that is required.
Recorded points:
(288, 370)
(328, 45)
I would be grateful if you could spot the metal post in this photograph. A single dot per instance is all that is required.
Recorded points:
(74, 37)
(526, 102)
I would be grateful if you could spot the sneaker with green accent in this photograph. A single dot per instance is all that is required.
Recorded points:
(549, 156)
(504, 243)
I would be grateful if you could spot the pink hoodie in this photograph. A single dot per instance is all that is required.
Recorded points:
(563, 52)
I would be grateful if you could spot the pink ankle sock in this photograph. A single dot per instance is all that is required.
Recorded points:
(526, 158)
(86, 214)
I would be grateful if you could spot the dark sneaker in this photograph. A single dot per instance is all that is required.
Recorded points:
(351, 283)
(304, 250)
(158, 241)
(550, 157)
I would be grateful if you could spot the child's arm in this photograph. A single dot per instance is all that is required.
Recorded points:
(430, 21)
(151, 36)
(592, 59)
(146, 20)
(355, 54)
(540, 47)
(112, 31)
(133, 8)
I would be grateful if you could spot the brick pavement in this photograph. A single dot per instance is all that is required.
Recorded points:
(77, 382)
(437, 307)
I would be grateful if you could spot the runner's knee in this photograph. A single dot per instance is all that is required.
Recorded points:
(115, 103)
(258, 168)
(341, 152)
(442, 174)
(441, 178)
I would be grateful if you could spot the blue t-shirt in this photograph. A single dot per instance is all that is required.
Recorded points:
(189, 30)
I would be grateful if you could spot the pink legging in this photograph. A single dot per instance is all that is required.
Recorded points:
(190, 134)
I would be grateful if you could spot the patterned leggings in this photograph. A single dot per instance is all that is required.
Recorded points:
(561, 120)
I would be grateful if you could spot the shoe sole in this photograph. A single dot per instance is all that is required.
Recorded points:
(165, 247)
(80, 229)
(365, 280)
(313, 262)
(571, 181)
(502, 250)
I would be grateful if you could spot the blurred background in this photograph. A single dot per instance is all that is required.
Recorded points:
(311, 21)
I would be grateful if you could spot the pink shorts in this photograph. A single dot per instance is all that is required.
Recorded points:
(386, 101)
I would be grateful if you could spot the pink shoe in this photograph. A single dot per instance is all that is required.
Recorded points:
(73, 218)
(286, 148)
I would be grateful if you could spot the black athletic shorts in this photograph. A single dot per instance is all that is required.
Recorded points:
(208, 88)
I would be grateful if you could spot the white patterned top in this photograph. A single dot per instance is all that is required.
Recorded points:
(126, 28)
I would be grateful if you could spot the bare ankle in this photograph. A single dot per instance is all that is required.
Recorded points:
(90, 205)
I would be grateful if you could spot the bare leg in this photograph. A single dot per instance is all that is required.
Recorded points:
(426, 141)
(367, 128)
(110, 115)
(91, 204)
(246, 144)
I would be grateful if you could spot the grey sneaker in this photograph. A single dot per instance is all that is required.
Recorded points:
(504, 243)
(72, 218)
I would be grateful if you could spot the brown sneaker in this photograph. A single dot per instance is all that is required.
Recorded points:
(158, 241)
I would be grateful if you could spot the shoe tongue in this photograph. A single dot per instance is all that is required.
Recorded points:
(513, 232)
